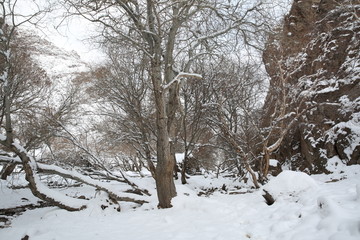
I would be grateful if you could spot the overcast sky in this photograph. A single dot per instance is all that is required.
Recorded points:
(72, 34)
(75, 33)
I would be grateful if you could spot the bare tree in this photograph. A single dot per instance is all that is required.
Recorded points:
(34, 119)
(25, 77)
(126, 104)
(172, 35)
(236, 92)
(21, 99)
(288, 105)
(194, 96)
(8, 85)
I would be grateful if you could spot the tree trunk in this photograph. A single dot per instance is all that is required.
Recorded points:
(183, 170)
(7, 170)
(150, 164)
(252, 173)
(34, 182)
(266, 162)
(165, 165)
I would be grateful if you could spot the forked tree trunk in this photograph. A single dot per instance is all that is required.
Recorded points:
(165, 185)
(164, 170)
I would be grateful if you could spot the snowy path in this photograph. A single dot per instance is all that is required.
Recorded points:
(295, 215)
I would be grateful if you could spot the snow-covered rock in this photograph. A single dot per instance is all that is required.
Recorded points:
(58, 63)
(320, 69)
(290, 183)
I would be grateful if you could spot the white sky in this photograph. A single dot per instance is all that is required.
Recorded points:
(72, 34)
(75, 33)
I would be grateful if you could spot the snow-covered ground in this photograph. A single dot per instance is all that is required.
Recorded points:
(316, 207)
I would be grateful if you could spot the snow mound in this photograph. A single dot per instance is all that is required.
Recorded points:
(327, 207)
(338, 221)
(334, 164)
(290, 183)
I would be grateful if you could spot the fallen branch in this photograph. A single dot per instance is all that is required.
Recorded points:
(22, 208)
(96, 161)
(105, 176)
(86, 180)
(41, 191)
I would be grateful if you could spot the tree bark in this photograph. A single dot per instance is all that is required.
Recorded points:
(183, 170)
(7, 170)
(165, 165)
(165, 185)
(151, 165)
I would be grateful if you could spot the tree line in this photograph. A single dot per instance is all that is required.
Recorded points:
(181, 77)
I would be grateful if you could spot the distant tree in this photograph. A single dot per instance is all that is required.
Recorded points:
(193, 131)
(24, 78)
(236, 92)
(126, 105)
(35, 121)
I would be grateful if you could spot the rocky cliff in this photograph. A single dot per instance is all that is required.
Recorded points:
(314, 65)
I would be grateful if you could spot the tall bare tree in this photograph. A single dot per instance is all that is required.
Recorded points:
(24, 78)
(172, 34)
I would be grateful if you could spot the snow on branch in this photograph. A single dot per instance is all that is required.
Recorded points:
(50, 169)
(9, 159)
(180, 77)
(40, 190)
(36, 186)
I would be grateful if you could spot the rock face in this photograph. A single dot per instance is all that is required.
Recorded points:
(314, 65)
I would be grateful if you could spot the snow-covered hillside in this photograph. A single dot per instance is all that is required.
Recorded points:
(60, 65)
(316, 207)
(64, 68)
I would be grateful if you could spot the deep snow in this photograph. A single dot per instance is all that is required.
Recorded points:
(307, 207)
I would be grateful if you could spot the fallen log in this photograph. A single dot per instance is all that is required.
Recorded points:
(46, 194)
